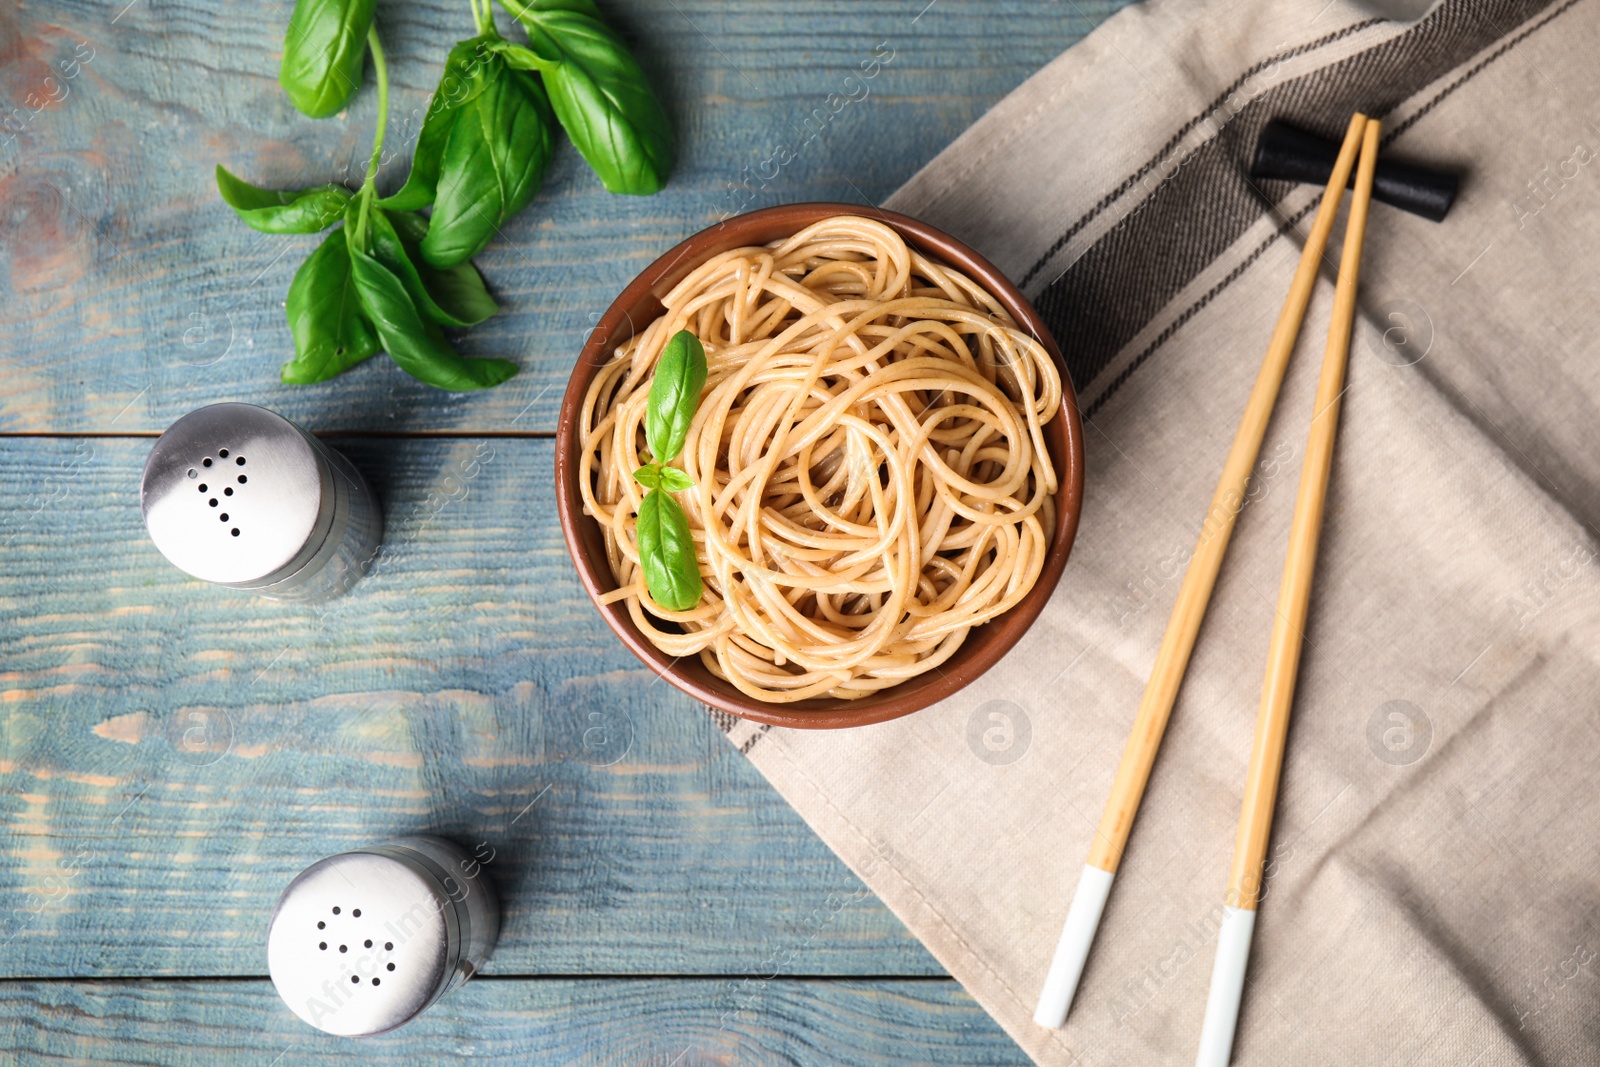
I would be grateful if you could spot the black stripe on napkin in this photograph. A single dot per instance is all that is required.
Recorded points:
(1166, 151)
(1116, 287)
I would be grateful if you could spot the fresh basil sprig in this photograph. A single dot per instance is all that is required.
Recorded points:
(666, 547)
(367, 287)
(390, 279)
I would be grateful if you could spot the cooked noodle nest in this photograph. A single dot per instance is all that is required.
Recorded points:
(870, 473)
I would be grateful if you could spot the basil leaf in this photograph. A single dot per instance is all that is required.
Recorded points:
(674, 480)
(458, 291)
(649, 475)
(464, 77)
(674, 394)
(585, 7)
(411, 340)
(330, 333)
(323, 50)
(423, 176)
(453, 297)
(666, 552)
(493, 163)
(282, 211)
(660, 476)
(599, 94)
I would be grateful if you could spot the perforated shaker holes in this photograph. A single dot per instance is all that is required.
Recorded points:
(204, 488)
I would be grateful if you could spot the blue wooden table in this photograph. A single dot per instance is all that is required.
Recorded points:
(171, 754)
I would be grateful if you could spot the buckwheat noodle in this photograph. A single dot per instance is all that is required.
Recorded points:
(871, 479)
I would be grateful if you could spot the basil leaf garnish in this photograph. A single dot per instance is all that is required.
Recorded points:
(674, 394)
(658, 476)
(649, 476)
(666, 553)
(465, 75)
(459, 291)
(674, 480)
(666, 548)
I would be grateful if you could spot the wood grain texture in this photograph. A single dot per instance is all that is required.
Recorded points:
(516, 1022)
(172, 753)
(130, 294)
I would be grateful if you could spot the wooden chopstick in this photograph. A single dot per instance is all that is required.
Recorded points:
(1155, 707)
(1288, 635)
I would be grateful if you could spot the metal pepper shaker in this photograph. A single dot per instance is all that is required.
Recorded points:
(240, 496)
(365, 941)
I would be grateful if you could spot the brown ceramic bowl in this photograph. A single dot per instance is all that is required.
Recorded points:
(639, 305)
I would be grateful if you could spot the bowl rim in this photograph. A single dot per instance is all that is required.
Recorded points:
(999, 633)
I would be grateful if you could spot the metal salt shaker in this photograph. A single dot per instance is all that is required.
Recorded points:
(240, 496)
(366, 941)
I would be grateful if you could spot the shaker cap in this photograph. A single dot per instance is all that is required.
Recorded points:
(236, 494)
(361, 943)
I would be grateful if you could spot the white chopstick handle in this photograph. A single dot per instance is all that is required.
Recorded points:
(1072, 951)
(1227, 987)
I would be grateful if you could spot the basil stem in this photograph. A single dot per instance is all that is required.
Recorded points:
(381, 69)
(483, 15)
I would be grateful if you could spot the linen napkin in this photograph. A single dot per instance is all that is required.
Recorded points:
(1432, 884)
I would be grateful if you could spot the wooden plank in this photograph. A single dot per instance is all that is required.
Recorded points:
(129, 294)
(172, 753)
(514, 1022)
